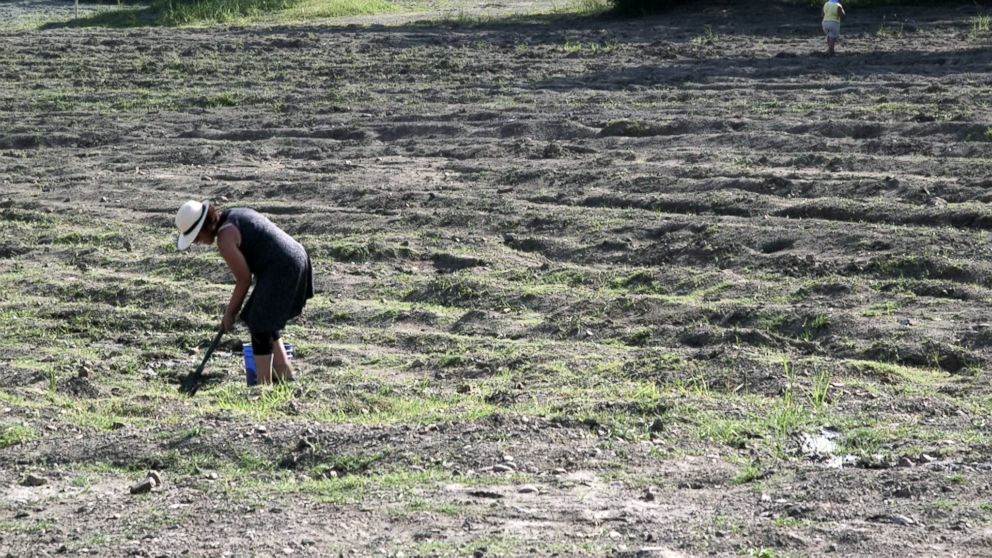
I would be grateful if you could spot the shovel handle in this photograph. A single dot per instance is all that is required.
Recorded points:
(210, 351)
(192, 382)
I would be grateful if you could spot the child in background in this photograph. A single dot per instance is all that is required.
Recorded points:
(833, 13)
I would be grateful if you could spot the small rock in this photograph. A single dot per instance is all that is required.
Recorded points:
(21, 515)
(905, 462)
(143, 486)
(650, 494)
(502, 468)
(528, 489)
(894, 518)
(479, 553)
(33, 480)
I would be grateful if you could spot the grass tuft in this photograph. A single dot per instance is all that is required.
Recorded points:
(14, 434)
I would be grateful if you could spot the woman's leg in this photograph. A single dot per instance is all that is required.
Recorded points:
(261, 344)
(283, 367)
(263, 365)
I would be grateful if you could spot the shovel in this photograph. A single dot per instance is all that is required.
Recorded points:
(191, 383)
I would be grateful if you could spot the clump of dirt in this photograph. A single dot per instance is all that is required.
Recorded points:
(78, 386)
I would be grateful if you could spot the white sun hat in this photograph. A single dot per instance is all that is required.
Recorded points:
(189, 221)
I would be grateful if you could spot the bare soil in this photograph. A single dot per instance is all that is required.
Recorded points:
(674, 286)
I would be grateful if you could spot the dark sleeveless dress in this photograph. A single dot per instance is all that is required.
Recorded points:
(281, 269)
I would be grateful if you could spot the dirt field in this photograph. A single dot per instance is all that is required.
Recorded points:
(679, 286)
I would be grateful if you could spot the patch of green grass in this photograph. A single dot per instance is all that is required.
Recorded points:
(358, 488)
(640, 282)
(958, 479)
(786, 522)
(179, 13)
(95, 416)
(749, 474)
(639, 337)
(628, 128)
(401, 408)
(191, 12)
(423, 506)
(14, 434)
(864, 441)
(29, 526)
(981, 24)
(820, 394)
(745, 421)
(879, 309)
(303, 10)
(708, 37)
(590, 48)
(924, 377)
(813, 326)
(585, 8)
(945, 505)
(223, 99)
(261, 403)
(889, 108)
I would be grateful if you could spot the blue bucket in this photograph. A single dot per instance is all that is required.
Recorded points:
(251, 374)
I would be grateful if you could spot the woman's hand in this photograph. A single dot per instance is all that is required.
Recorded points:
(227, 323)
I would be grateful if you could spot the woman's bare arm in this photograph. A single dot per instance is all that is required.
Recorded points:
(228, 243)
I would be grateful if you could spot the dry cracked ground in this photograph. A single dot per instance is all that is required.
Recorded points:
(675, 286)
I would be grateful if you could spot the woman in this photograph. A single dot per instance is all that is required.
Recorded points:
(253, 245)
(833, 13)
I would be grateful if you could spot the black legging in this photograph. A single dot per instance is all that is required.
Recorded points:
(262, 342)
